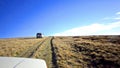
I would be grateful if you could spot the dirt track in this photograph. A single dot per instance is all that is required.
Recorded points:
(32, 50)
(44, 50)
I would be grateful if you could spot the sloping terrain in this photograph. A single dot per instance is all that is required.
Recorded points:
(67, 52)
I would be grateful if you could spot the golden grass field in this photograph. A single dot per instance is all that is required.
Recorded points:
(14, 47)
(88, 51)
(69, 51)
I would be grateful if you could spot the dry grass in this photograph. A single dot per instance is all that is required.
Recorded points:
(70, 52)
(100, 52)
(88, 51)
(14, 47)
(66, 57)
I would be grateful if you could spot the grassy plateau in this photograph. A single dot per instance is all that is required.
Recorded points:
(101, 51)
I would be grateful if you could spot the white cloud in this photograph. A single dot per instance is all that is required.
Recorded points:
(93, 29)
(112, 18)
(118, 13)
(117, 18)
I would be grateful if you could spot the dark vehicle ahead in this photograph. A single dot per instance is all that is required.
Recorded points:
(39, 35)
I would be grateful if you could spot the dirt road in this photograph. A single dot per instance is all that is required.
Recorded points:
(42, 50)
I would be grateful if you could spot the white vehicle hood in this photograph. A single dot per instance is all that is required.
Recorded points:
(12, 62)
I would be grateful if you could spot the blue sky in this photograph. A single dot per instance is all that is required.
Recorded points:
(24, 18)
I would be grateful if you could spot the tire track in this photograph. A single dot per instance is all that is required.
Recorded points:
(46, 44)
(54, 58)
(30, 52)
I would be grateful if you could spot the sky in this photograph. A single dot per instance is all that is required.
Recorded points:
(25, 18)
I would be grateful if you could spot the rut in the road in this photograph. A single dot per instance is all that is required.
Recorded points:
(30, 52)
(46, 52)
(54, 58)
